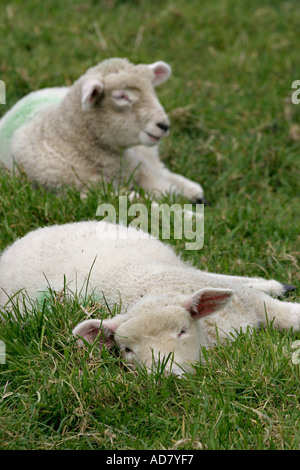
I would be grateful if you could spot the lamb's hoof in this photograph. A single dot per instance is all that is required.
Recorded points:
(200, 200)
(287, 288)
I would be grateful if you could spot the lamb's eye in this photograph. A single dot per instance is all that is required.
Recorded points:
(121, 98)
(127, 350)
(182, 331)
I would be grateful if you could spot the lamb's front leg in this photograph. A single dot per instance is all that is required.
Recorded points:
(154, 181)
(154, 176)
(189, 189)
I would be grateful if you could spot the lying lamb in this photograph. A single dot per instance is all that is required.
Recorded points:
(78, 134)
(167, 306)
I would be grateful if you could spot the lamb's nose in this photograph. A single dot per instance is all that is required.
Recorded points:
(163, 126)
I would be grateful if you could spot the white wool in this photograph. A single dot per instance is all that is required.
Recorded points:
(167, 306)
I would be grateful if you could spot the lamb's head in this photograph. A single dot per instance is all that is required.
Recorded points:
(120, 105)
(159, 329)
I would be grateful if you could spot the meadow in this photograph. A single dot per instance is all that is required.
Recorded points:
(235, 130)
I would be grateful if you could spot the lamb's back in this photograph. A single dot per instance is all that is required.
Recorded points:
(112, 258)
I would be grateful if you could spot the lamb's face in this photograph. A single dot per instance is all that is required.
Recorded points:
(167, 336)
(124, 108)
(160, 329)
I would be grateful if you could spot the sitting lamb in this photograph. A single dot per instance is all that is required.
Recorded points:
(167, 305)
(77, 134)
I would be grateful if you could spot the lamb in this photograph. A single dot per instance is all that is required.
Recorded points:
(108, 123)
(169, 309)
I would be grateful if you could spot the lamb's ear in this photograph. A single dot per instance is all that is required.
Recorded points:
(207, 301)
(90, 329)
(162, 71)
(90, 93)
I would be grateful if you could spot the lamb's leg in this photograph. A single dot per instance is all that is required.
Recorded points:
(283, 314)
(154, 176)
(153, 181)
(191, 190)
(271, 287)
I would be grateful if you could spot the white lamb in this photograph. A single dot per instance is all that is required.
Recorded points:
(107, 124)
(167, 305)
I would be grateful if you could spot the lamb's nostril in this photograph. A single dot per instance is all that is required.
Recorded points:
(164, 127)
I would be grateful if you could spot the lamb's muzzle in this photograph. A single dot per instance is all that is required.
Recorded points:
(163, 126)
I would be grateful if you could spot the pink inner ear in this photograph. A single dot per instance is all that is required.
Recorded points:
(160, 71)
(91, 329)
(91, 90)
(95, 93)
(207, 302)
(161, 74)
(206, 308)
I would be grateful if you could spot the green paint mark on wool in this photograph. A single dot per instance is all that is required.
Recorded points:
(21, 113)
(21, 116)
(43, 296)
(48, 295)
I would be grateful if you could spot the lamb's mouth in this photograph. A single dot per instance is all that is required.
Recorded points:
(153, 137)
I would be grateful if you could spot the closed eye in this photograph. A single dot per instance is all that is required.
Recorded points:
(127, 350)
(122, 97)
(182, 332)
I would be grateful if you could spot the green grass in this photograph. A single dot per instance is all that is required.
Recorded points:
(233, 66)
